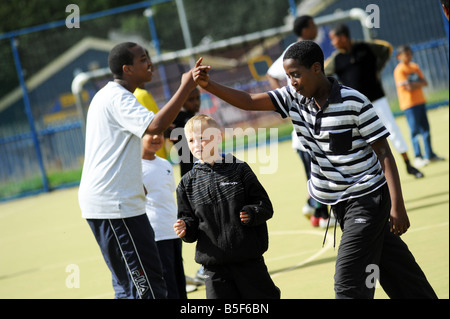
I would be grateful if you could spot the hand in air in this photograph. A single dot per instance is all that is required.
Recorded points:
(200, 73)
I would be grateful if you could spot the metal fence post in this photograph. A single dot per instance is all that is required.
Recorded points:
(29, 113)
(293, 8)
(185, 29)
(148, 13)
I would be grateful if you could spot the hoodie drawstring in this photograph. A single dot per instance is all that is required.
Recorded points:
(326, 231)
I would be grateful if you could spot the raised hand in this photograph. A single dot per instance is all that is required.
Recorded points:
(200, 73)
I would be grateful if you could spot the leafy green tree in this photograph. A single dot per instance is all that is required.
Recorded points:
(216, 19)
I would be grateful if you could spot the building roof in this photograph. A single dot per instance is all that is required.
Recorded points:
(54, 67)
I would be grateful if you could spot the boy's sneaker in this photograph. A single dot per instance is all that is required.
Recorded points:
(436, 158)
(315, 221)
(421, 162)
(414, 171)
(323, 222)
(200, 276)
(191, 288)
(194, 281)
(308, 210)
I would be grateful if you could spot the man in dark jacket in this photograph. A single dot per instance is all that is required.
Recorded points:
(359, 65)
(223, 206)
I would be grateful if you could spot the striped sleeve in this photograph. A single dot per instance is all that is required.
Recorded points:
(281, 99)
(369, 124)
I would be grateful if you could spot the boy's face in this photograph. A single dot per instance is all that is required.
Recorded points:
(304, 80)
(152, 143)
(310, 32)
(192, 104)
(204, 142)
(142, 68)
(340, 42)
(405, 56)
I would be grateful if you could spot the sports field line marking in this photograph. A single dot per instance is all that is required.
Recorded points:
(328, 244)
(427, 227)
(296, 232)
(321, 251)
(303, 252)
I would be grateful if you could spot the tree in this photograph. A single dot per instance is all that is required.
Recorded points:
(213, 18)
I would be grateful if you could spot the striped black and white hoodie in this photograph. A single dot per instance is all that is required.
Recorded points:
(338, 138)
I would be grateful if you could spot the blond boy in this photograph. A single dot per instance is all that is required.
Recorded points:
(224, 208)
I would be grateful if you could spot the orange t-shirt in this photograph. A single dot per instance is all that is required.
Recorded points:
(403, 74)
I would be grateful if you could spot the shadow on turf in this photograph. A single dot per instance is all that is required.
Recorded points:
(308, 264)
(409, 209)
(411, 179)
(19, 273)
(415, 199)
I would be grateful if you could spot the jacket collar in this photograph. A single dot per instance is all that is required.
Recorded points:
(224, 159)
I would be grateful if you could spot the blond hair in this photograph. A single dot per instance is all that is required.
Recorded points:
(200, 122)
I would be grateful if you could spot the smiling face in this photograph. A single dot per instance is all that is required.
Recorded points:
(304, 80)
(152, 143)
(142, 67)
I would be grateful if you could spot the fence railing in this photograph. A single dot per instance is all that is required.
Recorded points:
(62, 145)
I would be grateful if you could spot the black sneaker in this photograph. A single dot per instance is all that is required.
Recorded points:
(414, 171)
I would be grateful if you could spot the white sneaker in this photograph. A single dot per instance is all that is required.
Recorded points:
(191, 288)
(324, 222)
(420, 162)
(308, 210)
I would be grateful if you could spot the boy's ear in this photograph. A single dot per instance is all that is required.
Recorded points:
(127, 69)
(317, 67)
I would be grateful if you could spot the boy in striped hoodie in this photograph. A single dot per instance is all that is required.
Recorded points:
(352, 169)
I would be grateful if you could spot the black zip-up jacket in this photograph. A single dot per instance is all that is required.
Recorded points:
(210, 199)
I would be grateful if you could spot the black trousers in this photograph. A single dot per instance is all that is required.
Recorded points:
(170, 252)
(246, 280)
(369, 251)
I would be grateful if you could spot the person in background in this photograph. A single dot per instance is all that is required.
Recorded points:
(190, 108)
(305, 29)
(409, 81)
(161, 209)
(445, 7)
(359, 65)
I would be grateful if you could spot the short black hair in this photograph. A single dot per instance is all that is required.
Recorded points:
(300, 23)
(119, 56)
(445, 3)
(403, 48)
(341, 29)
(306, 53)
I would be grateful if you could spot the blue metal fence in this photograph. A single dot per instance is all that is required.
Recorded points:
(18, 163)
(29, 156)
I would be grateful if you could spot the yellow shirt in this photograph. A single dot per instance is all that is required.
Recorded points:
(403, 74)
(147, 100)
